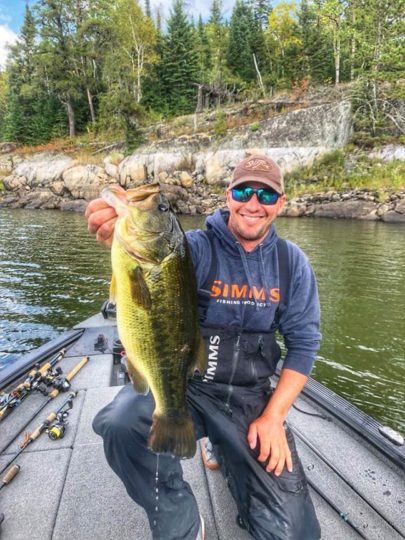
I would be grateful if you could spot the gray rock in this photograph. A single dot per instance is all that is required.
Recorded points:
(393, 217)
(7, 147)
(400, 207)
(14, 183)
(85, 181)
(73, 206)
(43, 169)
(389, 153)
(112, 170)
(346, 209)
(57, 187)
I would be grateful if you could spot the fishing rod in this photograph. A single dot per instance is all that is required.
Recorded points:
(61, 386)
(66, 406)
(343, 477)
(343, 515)
(35, 380)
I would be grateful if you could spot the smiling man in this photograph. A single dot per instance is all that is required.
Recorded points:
(251, 284)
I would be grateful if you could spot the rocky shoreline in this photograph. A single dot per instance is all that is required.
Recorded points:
(194, 169)
(190, 195)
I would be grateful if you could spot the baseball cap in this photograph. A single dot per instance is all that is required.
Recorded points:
(258, 168)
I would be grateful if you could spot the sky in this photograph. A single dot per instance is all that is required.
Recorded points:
(12, 15)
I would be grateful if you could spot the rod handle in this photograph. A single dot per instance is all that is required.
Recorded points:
(46, 367)
(36, 433)
(10, 474)
(77, 368)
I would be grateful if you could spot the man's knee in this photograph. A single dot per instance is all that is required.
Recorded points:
(127, 417)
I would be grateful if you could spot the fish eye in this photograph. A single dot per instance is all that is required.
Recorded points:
(162, 207)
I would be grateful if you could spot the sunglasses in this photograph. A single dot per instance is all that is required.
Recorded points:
(245, 193)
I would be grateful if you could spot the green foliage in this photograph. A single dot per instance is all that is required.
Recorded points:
(81, 66)
(179, 65)
(242, 33)
(254, 127)
(341, 170)
(220, 127)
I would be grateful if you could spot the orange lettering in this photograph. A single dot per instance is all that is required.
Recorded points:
(275, 295)
(259, 294)
(226, 290)
(216, 291)
(238, 292)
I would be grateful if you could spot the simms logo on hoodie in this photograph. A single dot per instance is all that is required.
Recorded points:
(233, 293)
(212, 358)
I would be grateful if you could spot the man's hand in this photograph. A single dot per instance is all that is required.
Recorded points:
(101, 220)
(269, 434)
(268, 431)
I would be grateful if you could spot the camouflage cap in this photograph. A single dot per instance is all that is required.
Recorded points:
(258, 168)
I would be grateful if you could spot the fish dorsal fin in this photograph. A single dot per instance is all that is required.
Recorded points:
(139, 289)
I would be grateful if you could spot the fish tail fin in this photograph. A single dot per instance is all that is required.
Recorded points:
(174, 435)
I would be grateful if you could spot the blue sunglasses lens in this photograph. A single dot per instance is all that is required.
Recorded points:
(264, 196)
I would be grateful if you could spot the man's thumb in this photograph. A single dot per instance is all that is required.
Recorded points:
(252, 436)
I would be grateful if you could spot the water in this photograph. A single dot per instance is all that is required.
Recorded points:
(53, 275)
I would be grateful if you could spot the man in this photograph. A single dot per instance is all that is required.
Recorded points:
(250, 284)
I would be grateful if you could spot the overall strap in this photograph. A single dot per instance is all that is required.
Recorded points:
(204, 292)
(284, 273)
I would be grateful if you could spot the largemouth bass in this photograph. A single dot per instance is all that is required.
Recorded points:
(154, 288)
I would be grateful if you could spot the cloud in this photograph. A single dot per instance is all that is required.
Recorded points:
(7, 37)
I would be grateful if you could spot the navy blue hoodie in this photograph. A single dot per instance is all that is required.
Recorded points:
(245, 291)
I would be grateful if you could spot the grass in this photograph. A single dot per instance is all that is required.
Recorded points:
(87, 157)
(340, 171)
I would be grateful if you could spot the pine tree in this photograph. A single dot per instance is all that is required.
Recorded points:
(314, 59)
(58, 55)
(242, 33)
(24, 119)
(261, 10)
(147, 9)
(215, 15)
(179, 68)
(203, 51)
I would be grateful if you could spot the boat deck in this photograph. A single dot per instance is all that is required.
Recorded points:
(66, 490)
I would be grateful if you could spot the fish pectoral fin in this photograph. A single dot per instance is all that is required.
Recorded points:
(139, 382)
(139, 289)
(201, 363)
(113, 288)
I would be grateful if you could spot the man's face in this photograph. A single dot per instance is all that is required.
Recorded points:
(250, 221)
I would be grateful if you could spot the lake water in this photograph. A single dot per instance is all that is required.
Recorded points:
(53, 275)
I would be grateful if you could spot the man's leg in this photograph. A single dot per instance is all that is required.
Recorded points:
(271, 508)
(124, 425)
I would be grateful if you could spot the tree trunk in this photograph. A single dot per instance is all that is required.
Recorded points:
(91, 106)
(337, 61)
(353, 42)
(259, 76)
(200, 99)
(71, 116)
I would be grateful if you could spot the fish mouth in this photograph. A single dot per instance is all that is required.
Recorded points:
(143, 196)
(141, 258)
